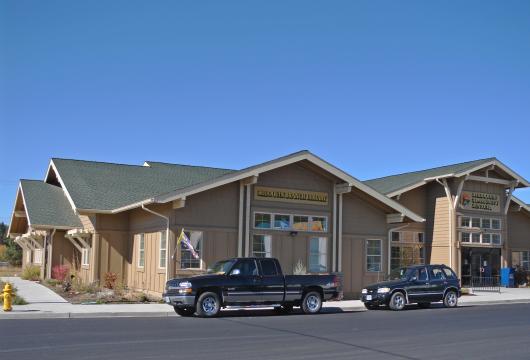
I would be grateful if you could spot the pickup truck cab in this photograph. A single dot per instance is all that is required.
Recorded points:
(421, 284)
(245, 282)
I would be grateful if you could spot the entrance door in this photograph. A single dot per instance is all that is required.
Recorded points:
(480, 263)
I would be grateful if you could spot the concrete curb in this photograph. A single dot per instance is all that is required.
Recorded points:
(83, 315)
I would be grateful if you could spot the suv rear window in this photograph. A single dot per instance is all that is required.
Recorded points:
(268, 267)
(449, 273)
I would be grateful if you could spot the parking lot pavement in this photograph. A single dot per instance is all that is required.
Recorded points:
(474, 332)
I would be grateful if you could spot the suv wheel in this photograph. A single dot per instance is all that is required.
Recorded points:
(450, 299)
(184, 311)
(397, 301)
(208, 304)
(312, 303)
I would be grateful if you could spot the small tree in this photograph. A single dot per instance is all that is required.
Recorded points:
(13, 252)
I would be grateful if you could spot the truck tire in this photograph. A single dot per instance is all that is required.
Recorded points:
(182, 311)
(450, 299)
(208, 304)
(284, 309)
(397, 301)
(312, 303)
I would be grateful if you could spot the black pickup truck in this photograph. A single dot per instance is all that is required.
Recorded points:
(245, 282)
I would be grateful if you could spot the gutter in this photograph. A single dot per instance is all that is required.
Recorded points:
(167, 236)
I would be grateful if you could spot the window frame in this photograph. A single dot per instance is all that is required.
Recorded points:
(265, 236)
(319, 254)
(198, 250)
(141, 251)
(380, 241)
(163, 235)
(281, 228)
(308, 228)
(264, 213)
(85, 255)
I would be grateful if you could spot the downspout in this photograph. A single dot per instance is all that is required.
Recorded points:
(167, 236)
(450, 200)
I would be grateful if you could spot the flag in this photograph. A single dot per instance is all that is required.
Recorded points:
(183, 238)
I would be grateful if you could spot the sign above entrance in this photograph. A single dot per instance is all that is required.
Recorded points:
(288, 195)
(480, 201)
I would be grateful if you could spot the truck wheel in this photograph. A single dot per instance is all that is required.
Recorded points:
(397, 301)
(450, 299)
(208, 305)
(284, 309)
(312, 303)
(184, 311)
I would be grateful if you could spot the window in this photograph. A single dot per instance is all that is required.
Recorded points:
(421, 274)
(300, 223)
(437, 274)
(162, 250)
(187, 260)
(262, 221)
(246, 267)
(495, 224)
(420, 237)
(465, 237)
(405, 255)
(319, 223)
(475, 237)
(496, 239)
(373, 255)
(396, 236)
(465, 222)
(28, 256)
(449, 273)
(521, 259)
(486, 238)
(37, 256)
(261, 246)
(486, 223)
(141, 251)
(318, 254)
(85, 257)
(475, 222)
(268, 267)
(282, 221)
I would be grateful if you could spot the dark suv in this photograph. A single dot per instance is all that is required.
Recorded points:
(420, 284)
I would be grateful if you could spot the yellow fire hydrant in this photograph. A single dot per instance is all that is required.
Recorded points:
(8, 293)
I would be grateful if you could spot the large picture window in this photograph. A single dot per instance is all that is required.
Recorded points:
(261, 246)
(187, 260)
(162, 250)
(141, 251)
(318, 254)
(373, 255)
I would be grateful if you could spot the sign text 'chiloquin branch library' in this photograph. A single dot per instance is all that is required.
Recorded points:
(289, 195)
(480, 201)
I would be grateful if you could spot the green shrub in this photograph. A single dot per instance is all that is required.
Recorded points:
(31, 272)
(17, 300)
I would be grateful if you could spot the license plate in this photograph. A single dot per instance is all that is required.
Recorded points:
(166, 299)
(368, 297)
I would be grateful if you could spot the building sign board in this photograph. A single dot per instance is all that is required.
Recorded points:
(480, 201)
(289, 195)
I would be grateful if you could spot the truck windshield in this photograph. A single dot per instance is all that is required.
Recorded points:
(221, 267)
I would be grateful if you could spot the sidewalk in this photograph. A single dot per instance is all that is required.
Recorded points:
(44, 303)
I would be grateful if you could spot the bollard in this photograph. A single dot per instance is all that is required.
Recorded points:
(8, 293)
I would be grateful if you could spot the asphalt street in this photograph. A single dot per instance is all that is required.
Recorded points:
(482, 332)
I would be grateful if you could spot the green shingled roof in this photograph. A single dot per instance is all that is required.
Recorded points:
(107, 186)
(389, 184)
(47, 205)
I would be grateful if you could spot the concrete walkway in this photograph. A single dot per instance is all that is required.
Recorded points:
(44, 303)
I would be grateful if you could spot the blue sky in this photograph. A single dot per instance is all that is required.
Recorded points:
(374, 87)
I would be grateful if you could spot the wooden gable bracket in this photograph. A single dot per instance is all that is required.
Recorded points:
(78, 238)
